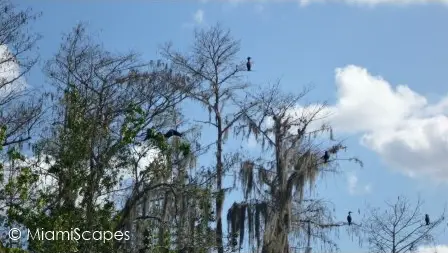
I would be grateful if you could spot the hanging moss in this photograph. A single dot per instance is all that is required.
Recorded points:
(241, 220)
(237, 216)
(250, 221)
(247, 177)
(233, 219)
(257, 225)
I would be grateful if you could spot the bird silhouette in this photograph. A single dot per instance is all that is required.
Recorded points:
(427, 219)
(150, 134)
(326, 157)
(171, 133)
(349, 218)
(300, 131)
(248, 64)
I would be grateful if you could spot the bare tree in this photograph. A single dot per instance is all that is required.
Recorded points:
(20, 104)
(20, 107)
(295, 154)
(312, 220)
(400, 228)
(214, 80)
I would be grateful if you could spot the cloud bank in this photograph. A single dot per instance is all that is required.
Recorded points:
(9, 72)
(406, 131)
(397, 123)
(355, 188)
(198, 16)
(437, 249)
(375, 2)
(350, 2)
(197, 19)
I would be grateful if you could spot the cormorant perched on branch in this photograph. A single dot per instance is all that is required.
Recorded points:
(326, 157)
(248, 64)
(427, 219)
(349, 218)
(167, 135)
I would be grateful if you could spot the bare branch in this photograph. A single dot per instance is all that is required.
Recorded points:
(400, 228)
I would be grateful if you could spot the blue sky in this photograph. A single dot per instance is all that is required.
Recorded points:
(404, 44)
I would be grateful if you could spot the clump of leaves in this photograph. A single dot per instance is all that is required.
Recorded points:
(185, 148)
(133, 123)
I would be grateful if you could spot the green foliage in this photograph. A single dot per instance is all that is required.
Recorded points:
(157, 139)
(14, 154)
(133, 123)
(3, 129)
(2, 139)
(185, 148)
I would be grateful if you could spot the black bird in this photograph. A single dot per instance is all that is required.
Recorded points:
(172, 132)
(151, 133)
(349, 218)
(326, 157)
(248, 64)
(300, 131)
(427, 219)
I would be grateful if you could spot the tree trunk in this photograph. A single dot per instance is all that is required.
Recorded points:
(276, 236)
(162, 229)
(219, 173)
(277, 228)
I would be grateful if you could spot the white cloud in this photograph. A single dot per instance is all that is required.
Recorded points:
(374, 2)
(367, 188)
(436, 249)
(354, 188)
(45, 182)
(259, 8)
(9, 70)
(198, 16)
(397, 123)
(352, 183)
(143, 156)
(372, 101)
(371, 3)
